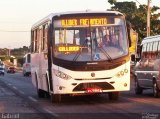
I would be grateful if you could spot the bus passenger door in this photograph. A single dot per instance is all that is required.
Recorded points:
(42, 70)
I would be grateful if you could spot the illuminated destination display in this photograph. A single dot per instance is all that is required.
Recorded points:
(68, 48)
(83, 22)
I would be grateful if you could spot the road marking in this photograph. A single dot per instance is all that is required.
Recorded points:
(3, 90)
(139, 100)
(21, 92)
(52, 113)
(9, 84)
(15, 87)
(33, 99)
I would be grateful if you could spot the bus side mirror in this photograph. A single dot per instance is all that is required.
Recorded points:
(138, 59)
(129, 38)
(128, 31)
(133, 58)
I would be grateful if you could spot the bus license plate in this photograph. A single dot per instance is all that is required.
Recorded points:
(93, 90)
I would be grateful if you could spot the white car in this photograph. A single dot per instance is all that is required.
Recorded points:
(2, 71)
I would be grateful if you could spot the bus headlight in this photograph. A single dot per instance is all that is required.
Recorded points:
(122, 73)
(62, 75)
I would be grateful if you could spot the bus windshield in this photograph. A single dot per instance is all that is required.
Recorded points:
(90, 39)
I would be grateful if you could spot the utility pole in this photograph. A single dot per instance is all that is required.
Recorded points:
(148, 18)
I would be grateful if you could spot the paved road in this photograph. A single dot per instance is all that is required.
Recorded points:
(129, 106)
(15, 106)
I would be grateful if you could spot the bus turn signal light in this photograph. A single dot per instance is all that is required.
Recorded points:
(122, 73)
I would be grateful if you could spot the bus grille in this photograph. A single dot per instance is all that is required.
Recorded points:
(94, 78)
(101, 85)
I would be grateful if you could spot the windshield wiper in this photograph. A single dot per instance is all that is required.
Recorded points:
(106, 54)
(78, 53)
(104, 51)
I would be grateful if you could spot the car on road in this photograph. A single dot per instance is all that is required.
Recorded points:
(147, 69)
(2, 71)
(11, 70)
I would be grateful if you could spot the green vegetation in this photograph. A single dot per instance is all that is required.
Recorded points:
(18, 53)
(137, 16)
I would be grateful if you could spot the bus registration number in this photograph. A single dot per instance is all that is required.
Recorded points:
(93, 90)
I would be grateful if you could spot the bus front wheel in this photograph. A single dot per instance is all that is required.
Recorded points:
(113, 95)
(56, 98)
(41, 93)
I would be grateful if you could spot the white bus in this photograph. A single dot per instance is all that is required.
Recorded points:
(27, 65)
(147, 69)
(78, 53)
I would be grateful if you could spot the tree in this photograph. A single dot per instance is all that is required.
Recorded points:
(112, 1)
(137, 16)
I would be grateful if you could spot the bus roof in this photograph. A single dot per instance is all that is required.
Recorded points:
(50, 16)
(151, 39)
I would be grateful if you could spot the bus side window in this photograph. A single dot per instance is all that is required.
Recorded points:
(151, 50)
(149, 47)
(155, 46)
(144, 50)
(44, 37)
(32, 41)
(158, 54)
(35, 40)
(147, 51)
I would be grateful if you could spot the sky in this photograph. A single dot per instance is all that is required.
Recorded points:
(18, 16)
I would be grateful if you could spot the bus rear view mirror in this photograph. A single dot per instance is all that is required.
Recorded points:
(129, 34)
(138, 59)
(133, 59)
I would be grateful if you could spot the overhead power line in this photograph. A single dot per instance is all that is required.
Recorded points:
(12, 22)
(138, 2)
(11, 31)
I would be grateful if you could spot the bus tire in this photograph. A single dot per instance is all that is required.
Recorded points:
(138, 89)
(41, 93)
(156, 91)
(113, 95)
(48, 90)
(56, 98)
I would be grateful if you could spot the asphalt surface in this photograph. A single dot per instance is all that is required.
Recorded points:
(19, 96)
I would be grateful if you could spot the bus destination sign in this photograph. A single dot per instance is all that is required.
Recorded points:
(68, 48)
(84, 22)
